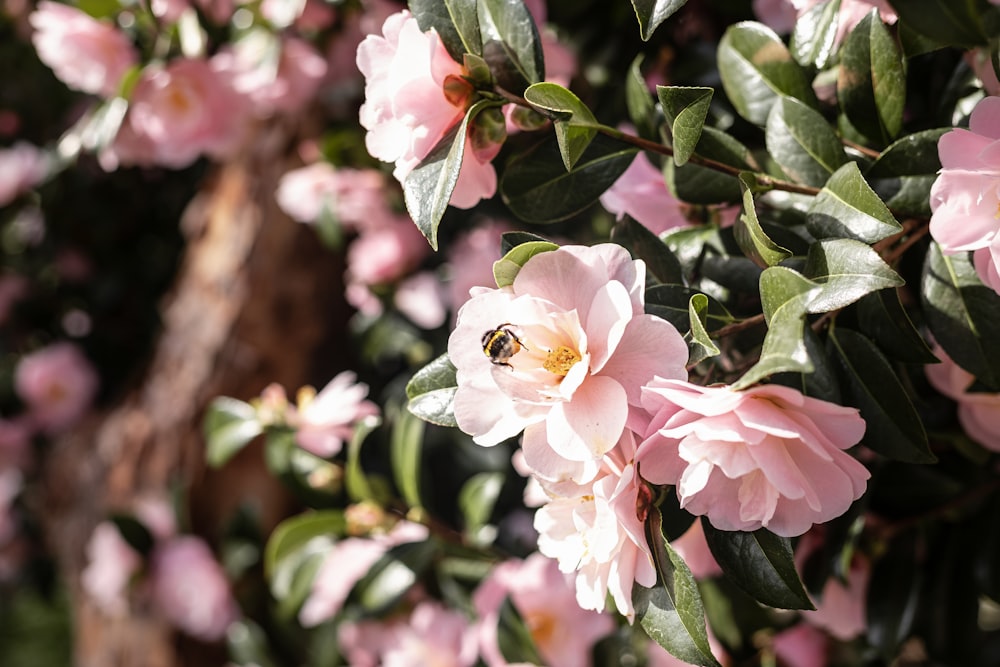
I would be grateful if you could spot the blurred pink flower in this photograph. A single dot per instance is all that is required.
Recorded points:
(979, 61)
(15, 443)
(693, 548)
(586, 347)
(421, 298)
(58, 384)
(414, 94)
(345, 565)
(966, 194)
(471, 257)
(356, 198)
(325, 421)
(22, 167)
(640, 192)
(271, 87)
(13, 288)
(86, 54)
(168, 11)
(435, 636)
(362, 642)
(802, 645)
(978, 412)
(111, 564)
(764, 457)
(190, 588)
(545, 599)
(782, 15)
(179, 112)
(382, 255)
(840, 609)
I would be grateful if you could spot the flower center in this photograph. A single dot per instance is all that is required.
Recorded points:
(560, 360)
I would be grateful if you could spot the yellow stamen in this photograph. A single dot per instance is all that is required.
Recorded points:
(560, 360)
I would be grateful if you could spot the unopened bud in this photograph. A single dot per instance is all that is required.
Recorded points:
(527, 119)
(458, 91)
(487, 133)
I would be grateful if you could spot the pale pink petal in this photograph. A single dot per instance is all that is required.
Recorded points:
(591, 423)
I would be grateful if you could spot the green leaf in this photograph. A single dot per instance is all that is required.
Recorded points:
(248, 644)
(821, 382)
(696, 184)
(672, 303)
(905, 171)
(647, 246)
(893, 594)
(641, 110)
(135, 533)
(751, 237)
(882, 318)
(431, 392)
(761, 563)
(757, 69)
(537, 188)
(947, 22)
(652, 13)
(393, 576)
(294, 553)
(476, 500)
(506, 268)
(514, 638)
(229, 426)
(574, 123)
(871, 84)
(962, 313)
(357, 484)
(894, 428)
(814, 36)
(847, 207)
(701, 344)
(511, 44)
(802, 142)
(847, 270)
(406, 448)
(427, 189)
(672, 613)
(686, 109)
(455, 21)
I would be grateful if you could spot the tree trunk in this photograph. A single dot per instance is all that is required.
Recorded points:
(255, 298)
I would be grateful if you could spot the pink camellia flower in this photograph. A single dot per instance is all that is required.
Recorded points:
(324, 421)
(765, 457)
(382, 255)
(111, 564)
(471, 257)
(544, 597)
(421, 298)
(86, 54)
(346, 564)
(190, 588)
(978, 412)
(414, 94)
(782, 15)
(641, 193)
(286, 86)
(966, 195)
(356, 198)
(179, 112)
(15, 443)
(58, 385)
(692, 547)
(568, 347)
(13, 288)
(22, 167)
(801, 645)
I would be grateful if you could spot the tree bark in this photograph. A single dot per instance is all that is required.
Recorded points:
(256, 297)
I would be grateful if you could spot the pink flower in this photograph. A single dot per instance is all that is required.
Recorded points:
(58, 385)
(966, 195)
(190, 588)
(414, 94)
(22, 167)
(15, 443)
(86, 54)
(379, 256)
(841, 608)
(978, 412)
(179, 112)
(801, 645)
(435, 636)
(693, 548)
(544, 598)
(471, 257)
(13, 288)
(346, 564)
(781, 15)
(111, 564)
(765, 457)
(421, 298)
(641, 193)
(356, 198)
(325, 421)
(585, 348)
(286, 86)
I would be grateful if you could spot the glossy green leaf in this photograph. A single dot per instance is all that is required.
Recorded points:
(962, 313)
(506, 268)
(537, 188)
(751, 237)
(946, 22)
(510, 240)
(686, 109)
(802, 142)
(672, 303)
(672, 613)
(652, 13)
(641, 109)
(871, 85)
(511, 44)
(356, 482)
(247, 644)
(431, 392)
(905, 171)
(847, 270)
(294, 552)
(757, 69)
(514, 638)
(701, 344)
(575, 124)
(761, 563)
(814, 36)
(882, 318)
(643, 244)
(229, 426)
(455, 21)
(894, 428)
(847, 207)
(392, 577)
(476, 500)
(696, 184)
(427, 189)
(406, 448)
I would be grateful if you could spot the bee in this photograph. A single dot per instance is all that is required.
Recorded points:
(500, 344)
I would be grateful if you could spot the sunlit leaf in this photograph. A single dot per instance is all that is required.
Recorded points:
(431, 392)
(751, 237)
(847, 270)
(511, 44)
(406, 448)
(802, 142)
(506, 268)
(229, 425)
(652, 13)
(455, 21)
(814, 36)
(686, 109)
(871, 86)
(574, 123)
(847, 207)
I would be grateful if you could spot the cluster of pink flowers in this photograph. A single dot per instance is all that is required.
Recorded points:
(600, 391)
(978, 412)
(965, 197)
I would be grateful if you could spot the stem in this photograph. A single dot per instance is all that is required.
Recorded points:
(742, 325)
